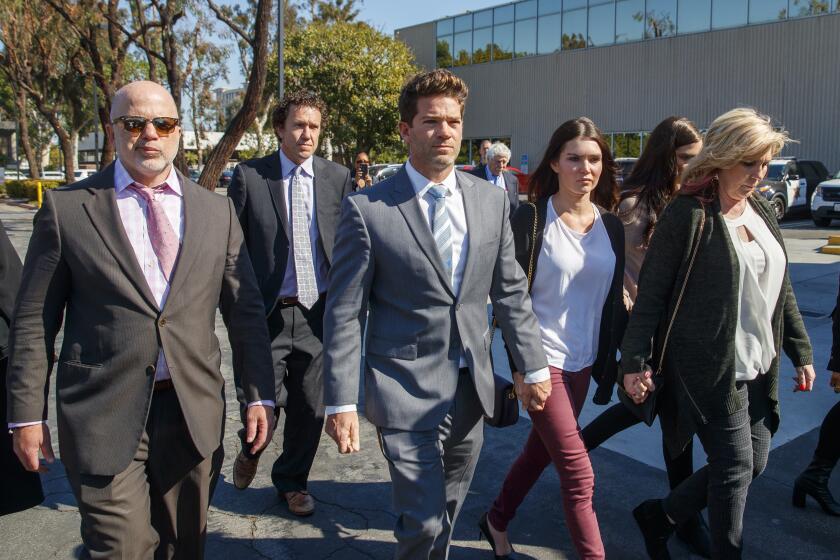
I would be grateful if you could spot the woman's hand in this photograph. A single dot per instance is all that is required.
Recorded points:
(835, 381)
(639, 385)
(532, 395)
(804, 378)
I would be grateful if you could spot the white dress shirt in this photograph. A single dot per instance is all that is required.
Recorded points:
(498, 180)
(460, 244)
(307, 179)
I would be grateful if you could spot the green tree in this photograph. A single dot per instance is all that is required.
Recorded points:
(331, 11)
(358, 71)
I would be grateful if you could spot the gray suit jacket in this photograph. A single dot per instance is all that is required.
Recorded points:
(511, 185)
(80, 266)
(257, 194)
(385, 255)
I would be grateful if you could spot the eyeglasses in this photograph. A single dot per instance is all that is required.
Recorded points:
(135, 125)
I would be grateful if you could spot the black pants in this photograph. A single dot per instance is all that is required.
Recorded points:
(737, 446)
(296, 335)
(618, 418)
(828, 447)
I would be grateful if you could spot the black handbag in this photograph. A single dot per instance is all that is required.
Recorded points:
(505, 403)
(646, 411)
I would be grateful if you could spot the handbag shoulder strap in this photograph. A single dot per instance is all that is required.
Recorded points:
(694, 250)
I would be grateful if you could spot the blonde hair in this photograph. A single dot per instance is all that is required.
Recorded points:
(738, 135)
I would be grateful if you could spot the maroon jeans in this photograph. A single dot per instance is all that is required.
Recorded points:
(555, 438)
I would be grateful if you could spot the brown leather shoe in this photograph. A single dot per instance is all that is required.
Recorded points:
(244, 470)
(300, 502)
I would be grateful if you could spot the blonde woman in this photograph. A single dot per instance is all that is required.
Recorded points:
(716, 271)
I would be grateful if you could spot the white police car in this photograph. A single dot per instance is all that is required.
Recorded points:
(825, 203)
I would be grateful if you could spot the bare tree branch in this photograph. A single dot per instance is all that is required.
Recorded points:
(224, 18)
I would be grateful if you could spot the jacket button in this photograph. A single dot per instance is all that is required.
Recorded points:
(150, 370)
(162, 322)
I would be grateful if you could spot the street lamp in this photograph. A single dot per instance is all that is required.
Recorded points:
(280, 39)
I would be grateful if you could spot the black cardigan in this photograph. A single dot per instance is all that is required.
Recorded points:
(834, 360)
(613, 315)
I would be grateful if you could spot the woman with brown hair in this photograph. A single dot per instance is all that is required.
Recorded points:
(573, 251)
(715, 285)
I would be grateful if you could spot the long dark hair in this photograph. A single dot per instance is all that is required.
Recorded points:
(653, 176)
(544, 183)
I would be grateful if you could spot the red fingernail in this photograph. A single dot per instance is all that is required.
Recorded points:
(802, 387)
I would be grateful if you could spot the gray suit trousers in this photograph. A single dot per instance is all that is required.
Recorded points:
(737, 447)
(431, 472)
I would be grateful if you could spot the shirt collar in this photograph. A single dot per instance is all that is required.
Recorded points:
(122, 179)
(421, 184)
(287, 165)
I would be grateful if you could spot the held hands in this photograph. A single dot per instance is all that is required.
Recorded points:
(28, 440)
(639, 385)
(343, 427)
(532, 395)
(835, 381)
(804, 378)
(259, 426)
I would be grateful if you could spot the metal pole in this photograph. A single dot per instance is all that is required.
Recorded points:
(95, 127)
(280, 39)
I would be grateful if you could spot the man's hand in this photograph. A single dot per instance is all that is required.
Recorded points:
(531, 395)
(28, 440)
(639, 385)
(259, 427)
(343, 427)
(804, 378)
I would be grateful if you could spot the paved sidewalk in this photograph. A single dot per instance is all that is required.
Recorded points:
(353, 518)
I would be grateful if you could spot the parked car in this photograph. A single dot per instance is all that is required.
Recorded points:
(53, 175)
(825, 203)
(80, 174)
(625, 166)
(382, 171)
(225, 178)
(784, 187)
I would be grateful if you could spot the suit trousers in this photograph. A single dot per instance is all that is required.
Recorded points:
(431, 472)
(297, 336)
(157, 507)
(737, 446)
(555, 438)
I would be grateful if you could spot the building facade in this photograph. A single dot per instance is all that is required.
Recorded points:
(627, 64)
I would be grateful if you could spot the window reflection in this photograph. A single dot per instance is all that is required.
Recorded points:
(550, 6)
(526, 38)
(574, 29)
(483, 19)
(444, 27)
(444, 52)
(503, 14)
(728, 13)
(629, 24)
(601, 23)
(768, 10)
(627, 144)
(660, 18)
(463, 48)
(526, 9)
(482, 44)
(463, 23)
(694, 16)
(799, 8)
(503, 41)
(548, 34)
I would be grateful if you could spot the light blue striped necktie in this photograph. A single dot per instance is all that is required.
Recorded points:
(442, 228)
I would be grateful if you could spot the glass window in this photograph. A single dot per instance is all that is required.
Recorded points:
(627, 144)
(629, 20)
(728, 13)
(694, 16)
(483, 19)
(503, 14)
(768, 10)
(526, 37)
(463, 48)
(444, 27)
(550, 6)
(444, 52)
(601, 24)
(463, 23)
(525, 10)
(574, 29)
(503, 41)
(799, 8)
(661, 18)
(574, 4)
(482, 45)
(548, 34)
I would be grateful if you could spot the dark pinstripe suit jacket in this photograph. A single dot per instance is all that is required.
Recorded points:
(80, 266)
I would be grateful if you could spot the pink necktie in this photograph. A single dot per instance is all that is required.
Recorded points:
(164, 240)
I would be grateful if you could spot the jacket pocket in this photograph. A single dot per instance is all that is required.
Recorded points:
(391, 348)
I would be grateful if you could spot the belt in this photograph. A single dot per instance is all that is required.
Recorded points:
(163, 385)
(293, 300)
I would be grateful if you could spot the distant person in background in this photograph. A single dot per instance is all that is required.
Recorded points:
(361, 176)
(482, 152)
(814, 480)
(19, 488)
(495, 171)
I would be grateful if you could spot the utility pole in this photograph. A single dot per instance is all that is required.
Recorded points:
(96, 126)
(280, 40)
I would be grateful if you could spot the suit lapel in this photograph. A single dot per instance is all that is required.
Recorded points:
(406, 199)
(274, 179)
(474, 225)
(195, 220)
(321, 217)
(102, 211)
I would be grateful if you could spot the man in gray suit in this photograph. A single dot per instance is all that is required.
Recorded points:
(495, 172)
(136, 259)
(424, 250)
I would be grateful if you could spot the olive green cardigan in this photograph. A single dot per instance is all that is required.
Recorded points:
(699, 361)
